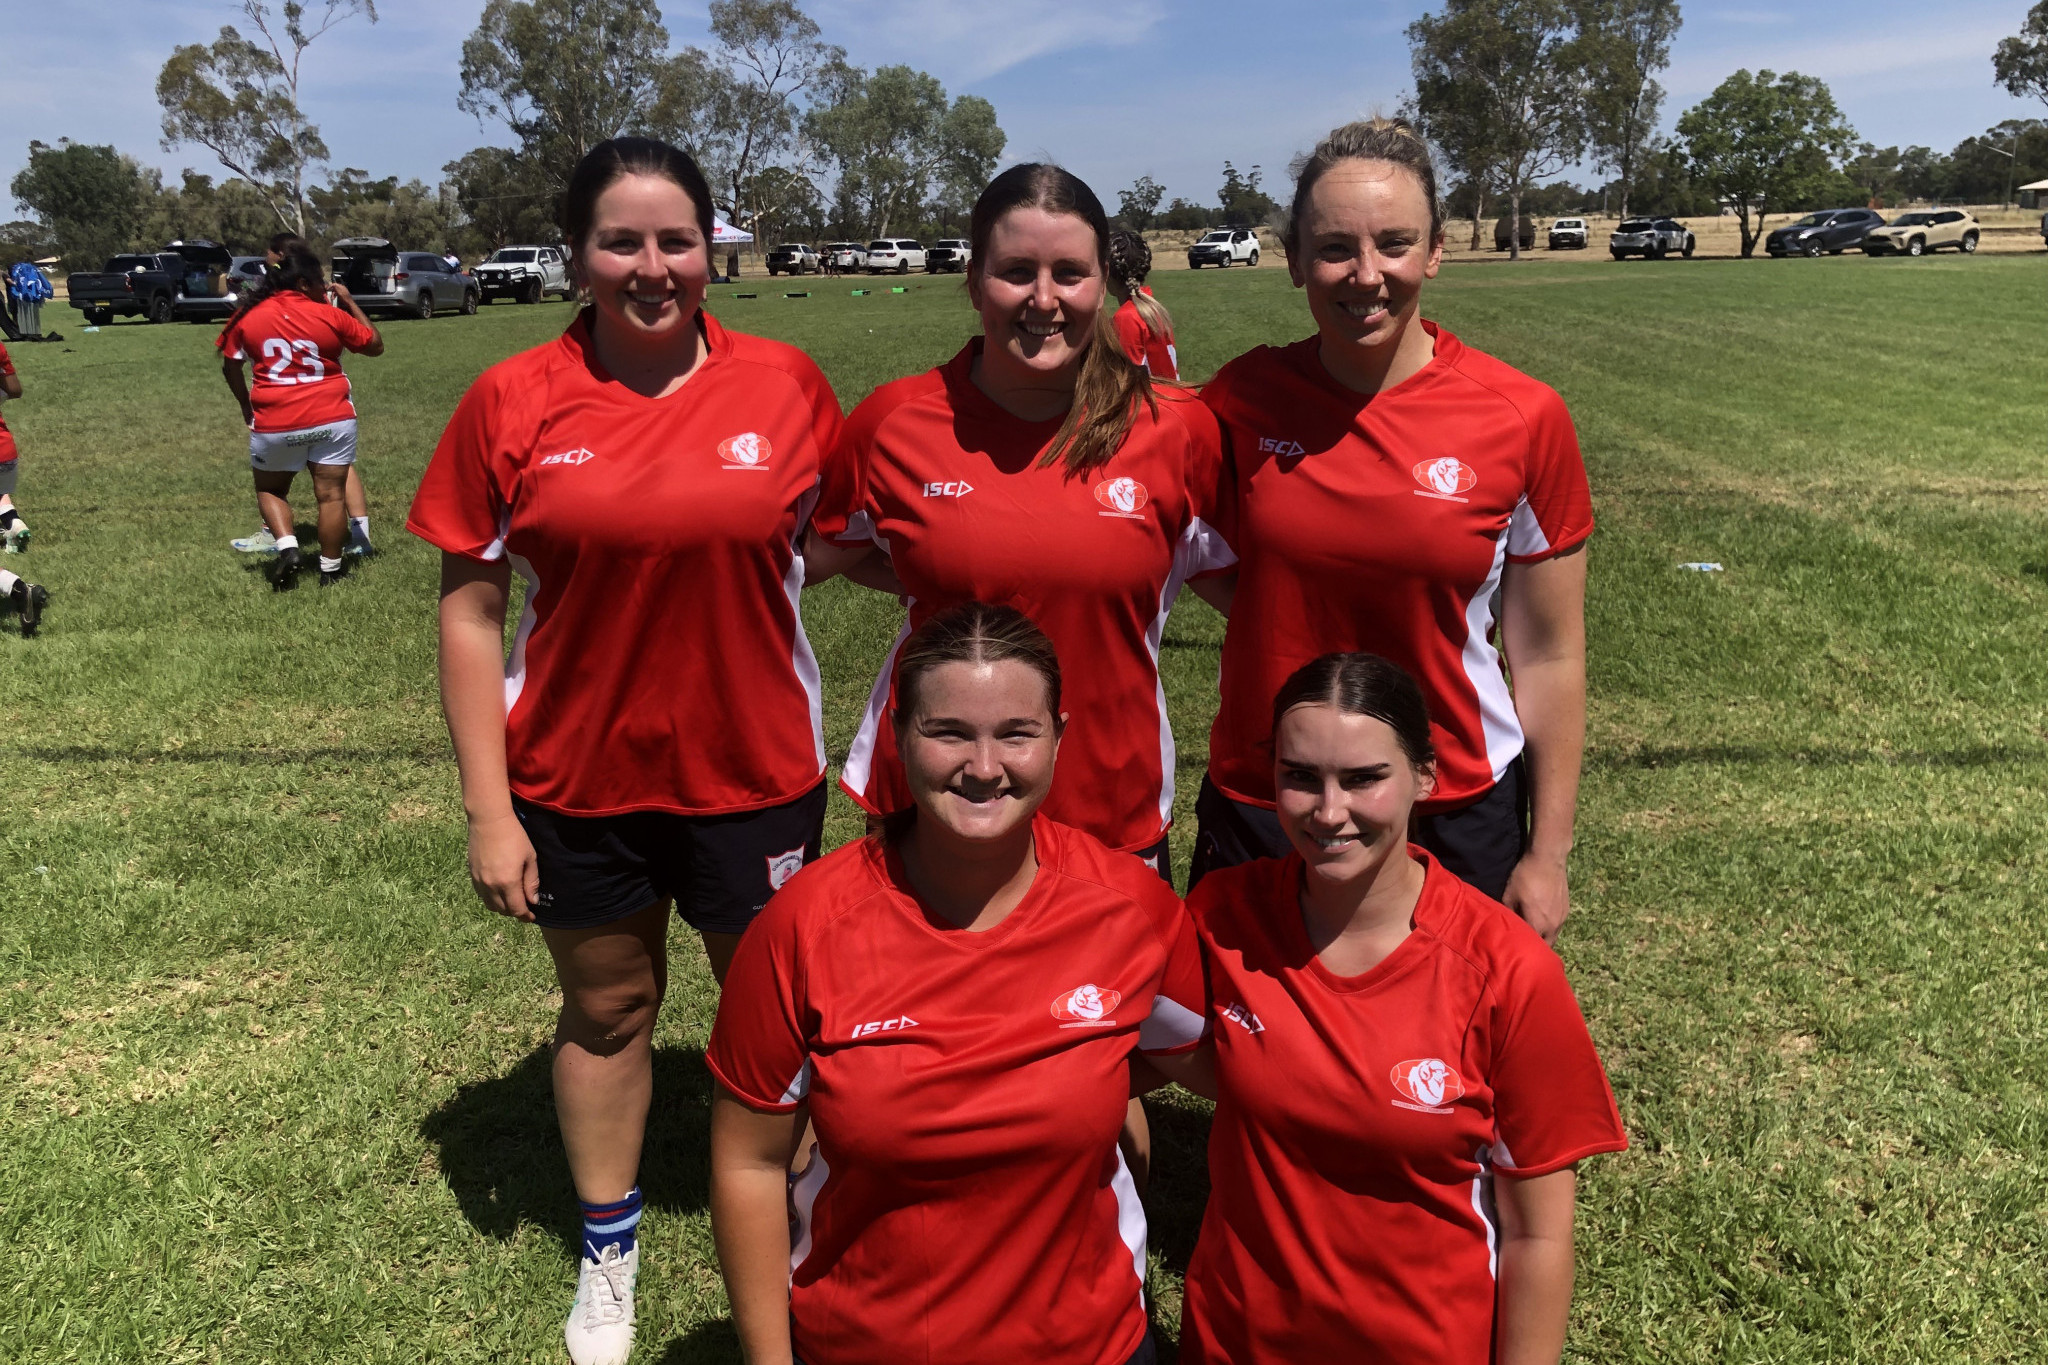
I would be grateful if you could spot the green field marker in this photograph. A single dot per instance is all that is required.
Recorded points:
(858, 292)
(898, 289)
(746, 296)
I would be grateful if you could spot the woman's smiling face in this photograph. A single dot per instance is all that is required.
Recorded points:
(978, 750)
(645, 259)
(1366, 248)
(1038, 289)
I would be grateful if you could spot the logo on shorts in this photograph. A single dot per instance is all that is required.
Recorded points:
(748, 450)
(577, 456)
(783, 866)
(1086, 1007)
(310, 438)
(1273, 445)
(1429, 1083)
(1444, 477)
(1124, 497)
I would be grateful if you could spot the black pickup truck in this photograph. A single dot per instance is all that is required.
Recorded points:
(185, 281)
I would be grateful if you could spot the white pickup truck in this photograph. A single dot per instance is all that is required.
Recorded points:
(526, 273)
(1224, 248)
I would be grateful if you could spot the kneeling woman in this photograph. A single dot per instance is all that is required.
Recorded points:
(954, 1001)
(1403, 1081)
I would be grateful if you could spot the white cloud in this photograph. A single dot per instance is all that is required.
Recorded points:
(962, 41)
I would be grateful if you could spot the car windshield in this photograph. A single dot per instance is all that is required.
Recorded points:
(881, 246)
(512, 256)
(1570, 222)
(1635, 225)
(1217, 237)
(1912, 220)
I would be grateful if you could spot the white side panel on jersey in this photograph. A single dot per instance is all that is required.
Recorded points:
(1489, 1215)
(803, 1197)
(1170, 1025)
(860, 756)
(1187, 559)
(1130, 1219)
(1525, 533)
(496, 548)
(800, 656)
(799, 1085)
(1497, 718)
(1211, 550)
(860, 526)
(515, 662)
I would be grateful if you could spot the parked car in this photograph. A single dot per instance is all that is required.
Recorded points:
(846, 256)
(793, 258)
(526, 273)
(1917, 233)
(1651, 238)
(899, 254)
(1223, 247)
(1831, 231)
(948, 253)
(385, 280)
(1500, 233)
(183, 282)
(1568, 234)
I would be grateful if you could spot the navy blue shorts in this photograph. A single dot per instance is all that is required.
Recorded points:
(718, 869)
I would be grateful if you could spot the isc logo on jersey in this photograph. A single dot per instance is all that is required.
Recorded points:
(1445, 477)
(1275, 445)
(748, 450)
(1086, 1006)
(873, 1026)
(577, 456)
(1124, 497)
(1430, 1084)
(951, 488)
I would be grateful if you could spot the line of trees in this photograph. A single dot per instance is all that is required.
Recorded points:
(1241, 202)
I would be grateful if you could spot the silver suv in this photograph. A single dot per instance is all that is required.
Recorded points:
(386, 280)
(526, 273)
(1651, 238)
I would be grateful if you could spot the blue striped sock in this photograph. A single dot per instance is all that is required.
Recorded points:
(608, 1224)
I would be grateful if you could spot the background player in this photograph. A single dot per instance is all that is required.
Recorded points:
(25, 599)
(1385, 481)
(300, 412)
(954, 1000)
(1143, 325)
(654, 738)
(1403, 1081)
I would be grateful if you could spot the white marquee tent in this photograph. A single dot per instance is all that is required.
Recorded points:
(725, 234)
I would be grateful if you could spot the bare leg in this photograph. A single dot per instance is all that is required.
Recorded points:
(720, 948)
(613, 978)
(358, 502)
(273, 487)
(329, 483)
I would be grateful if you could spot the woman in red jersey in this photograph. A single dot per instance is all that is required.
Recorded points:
(1142, 322)
(954, 1002)
(300, 412)
(1403, 1081)
(1041, 467)
(654, 738)
(17, 595)
(1386, 482)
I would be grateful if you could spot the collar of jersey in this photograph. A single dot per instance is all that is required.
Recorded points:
(578, 342)
(971, 402)
(1409, 954)
(1305, 356)
(891, 872)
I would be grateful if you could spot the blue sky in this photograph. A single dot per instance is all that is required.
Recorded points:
(1111, 88)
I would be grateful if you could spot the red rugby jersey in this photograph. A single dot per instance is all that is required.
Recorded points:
(1383, 523)
(967, 1200)
(951, 487)
(1361, 1121)
(661, 662)
(294, 347)
(7, 450)
(1144, 346)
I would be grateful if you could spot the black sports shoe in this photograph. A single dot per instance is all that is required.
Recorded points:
(28, 600)
(330, 577)
(284, 575)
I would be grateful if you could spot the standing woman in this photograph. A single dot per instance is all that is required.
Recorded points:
(1385, 482)
(1404, 1084)
(17, 595)
(654, 738)
(954, 1001)
(301, 413)
(1142, 322)
(1040, 467)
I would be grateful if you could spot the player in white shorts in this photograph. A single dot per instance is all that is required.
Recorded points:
(299, 409)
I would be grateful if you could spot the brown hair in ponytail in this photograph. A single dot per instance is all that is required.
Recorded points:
(1110, 387)
(1130, 261)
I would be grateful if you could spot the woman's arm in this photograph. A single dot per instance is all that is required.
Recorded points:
(1543, 630)
(10, 386)
(826, 559)
(238, 385)
(347, 302)
(1534, 1297)
(1219, 590)
(502, 865)
(750, 1155)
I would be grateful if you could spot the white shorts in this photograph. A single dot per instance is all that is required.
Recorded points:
(284, 452)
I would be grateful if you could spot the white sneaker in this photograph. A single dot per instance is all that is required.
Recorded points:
(600, 1326)
(14, 540)
(261, 543)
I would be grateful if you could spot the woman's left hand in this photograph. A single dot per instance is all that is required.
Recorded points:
(1540, 892)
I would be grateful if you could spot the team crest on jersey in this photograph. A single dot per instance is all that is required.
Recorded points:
(1430, 1084)
(748, 450)
(783, 866)
(1445, 477)
(1124, 497)
(1086, 1007)
(577, 456)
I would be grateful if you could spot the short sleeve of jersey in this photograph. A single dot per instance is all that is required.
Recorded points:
(464, 501)
(1208, 549)
(757, 1048)
(354, 334)
(6, 362)
(229, 342)
(843, 514)
(1556, 511)
(1552, 1102)
(1180, 1011)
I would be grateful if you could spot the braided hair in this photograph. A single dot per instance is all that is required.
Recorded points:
(1130, 261)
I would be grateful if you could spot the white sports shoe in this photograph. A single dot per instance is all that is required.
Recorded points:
(600, 1326)
(261, 543)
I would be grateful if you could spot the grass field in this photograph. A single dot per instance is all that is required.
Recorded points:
(274, 1088)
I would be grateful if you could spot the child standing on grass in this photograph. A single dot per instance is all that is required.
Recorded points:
(17, 594)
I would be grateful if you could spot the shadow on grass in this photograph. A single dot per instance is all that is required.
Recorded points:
(708, 1343)
(1179, 1191)
(500, 1149)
